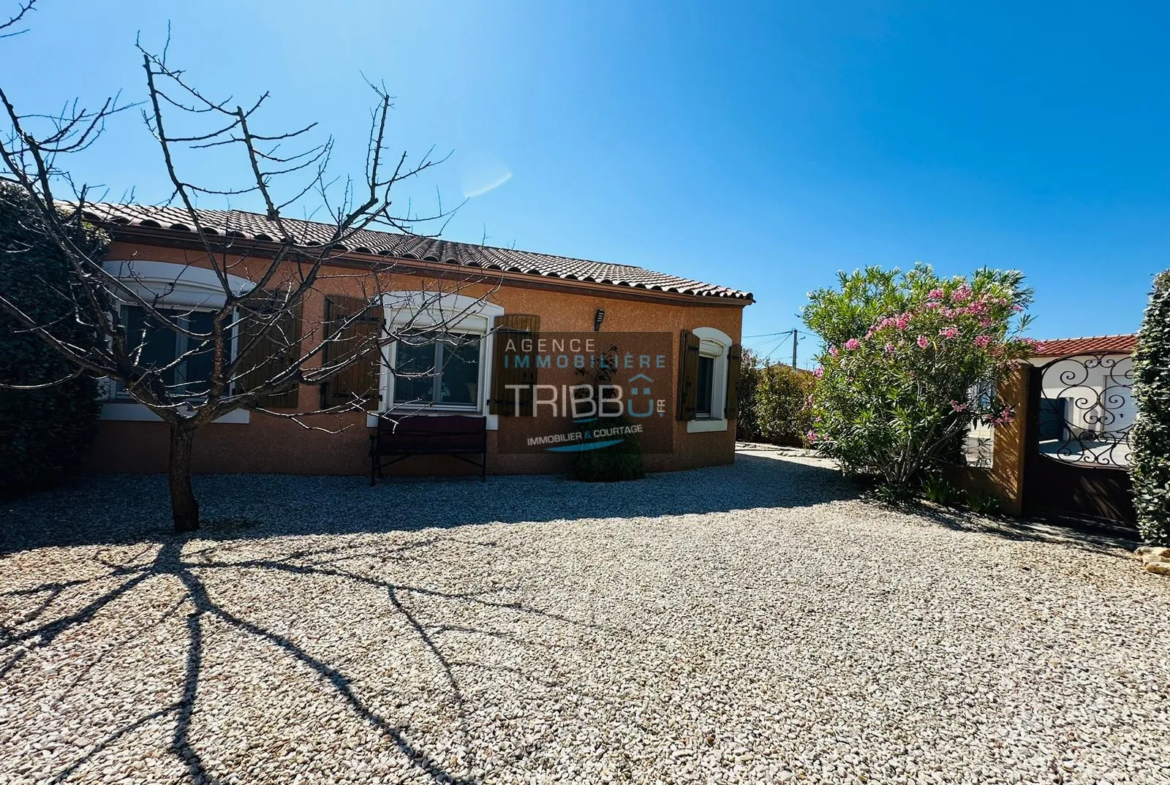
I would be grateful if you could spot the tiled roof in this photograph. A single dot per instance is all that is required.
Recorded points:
(1098, 344)
(253, 226)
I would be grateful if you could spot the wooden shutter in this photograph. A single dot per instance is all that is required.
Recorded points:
(734, 361)
(276, 349)
(688, 375)
(352, 325)
(514, 327)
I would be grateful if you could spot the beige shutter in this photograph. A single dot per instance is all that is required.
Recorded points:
(688, 375)
(505, 371)
(352, 325)
(276, 349)
(734, 361)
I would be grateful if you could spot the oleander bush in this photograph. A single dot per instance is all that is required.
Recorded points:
(903, 354)
(1151, 433)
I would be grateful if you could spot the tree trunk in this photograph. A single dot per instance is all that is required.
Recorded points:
(184, 508)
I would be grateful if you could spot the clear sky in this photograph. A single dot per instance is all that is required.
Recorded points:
(762, 146)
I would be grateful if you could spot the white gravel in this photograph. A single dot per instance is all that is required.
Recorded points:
(748, 624)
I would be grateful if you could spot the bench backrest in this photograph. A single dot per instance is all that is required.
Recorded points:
(424, 433)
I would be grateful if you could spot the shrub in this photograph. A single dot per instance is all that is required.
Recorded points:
(983, 503)
(747, 422)
(774, 405)
(46, 431)
(903, 353)
(616, 463)
(783, 405)
(938, 489)
(1151, 432)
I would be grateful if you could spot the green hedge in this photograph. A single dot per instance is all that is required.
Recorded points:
(1151, 432)
(773, 403)
(46, 432)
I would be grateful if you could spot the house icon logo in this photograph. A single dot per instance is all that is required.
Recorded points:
(634, 390)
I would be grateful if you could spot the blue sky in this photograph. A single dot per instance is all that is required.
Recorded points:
(761, 146)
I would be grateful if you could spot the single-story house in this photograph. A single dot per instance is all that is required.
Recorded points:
(1086, 399)
(1086, 394)
(698, 323)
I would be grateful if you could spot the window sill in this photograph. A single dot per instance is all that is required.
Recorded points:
(493, 420)
(136, 412)
(706, 425)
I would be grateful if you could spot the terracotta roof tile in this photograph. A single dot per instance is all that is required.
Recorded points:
(253, 226)
(1063, 347)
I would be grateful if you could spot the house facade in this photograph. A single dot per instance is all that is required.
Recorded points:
(1086, 395)
(477, 293)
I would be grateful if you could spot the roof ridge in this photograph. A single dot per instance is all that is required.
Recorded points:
(383, 242)
(1090, 337)
(434, 238)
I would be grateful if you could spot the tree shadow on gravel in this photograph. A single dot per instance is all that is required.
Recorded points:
(17, 641)
(1086, 535)
(109, 509)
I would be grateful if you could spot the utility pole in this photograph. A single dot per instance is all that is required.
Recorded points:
(794, 350)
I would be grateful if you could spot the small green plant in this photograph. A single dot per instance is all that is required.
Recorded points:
(983, 504)
(618, 462)
(939, 490)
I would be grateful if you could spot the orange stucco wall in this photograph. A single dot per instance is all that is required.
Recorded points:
(267, 444)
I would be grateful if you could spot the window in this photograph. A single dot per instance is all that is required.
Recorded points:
(706, 386)
(439, 372)
(711, 374)
(160, 345)
(186, 297)
(440, 361)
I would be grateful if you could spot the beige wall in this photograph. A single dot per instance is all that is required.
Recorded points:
(267, 444)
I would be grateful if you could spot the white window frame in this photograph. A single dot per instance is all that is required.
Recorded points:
(715, 344)
(409, 310)
(167, 285)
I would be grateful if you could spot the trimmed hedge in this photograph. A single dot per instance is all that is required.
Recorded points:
(1151, 432)
(46, 432)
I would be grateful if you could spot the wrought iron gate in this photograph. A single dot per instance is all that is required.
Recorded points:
(1081, 412)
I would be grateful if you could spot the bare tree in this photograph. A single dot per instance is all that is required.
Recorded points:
(248, 341)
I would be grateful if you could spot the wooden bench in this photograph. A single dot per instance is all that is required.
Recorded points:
(454, 435)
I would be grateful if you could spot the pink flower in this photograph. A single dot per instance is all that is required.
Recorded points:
(1017, 308)
(852, 345)
(819, 372)
(1005, 417)
(811, 436)
(986, 322)
(889, 348)
(933, 304)
(833, 351)
(923, 341)
(902, 321)
(959, 407)
(949, 332)
(936, 294)
(982, 341)
(961, 294)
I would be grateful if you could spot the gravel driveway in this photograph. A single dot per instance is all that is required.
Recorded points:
(752, 623)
